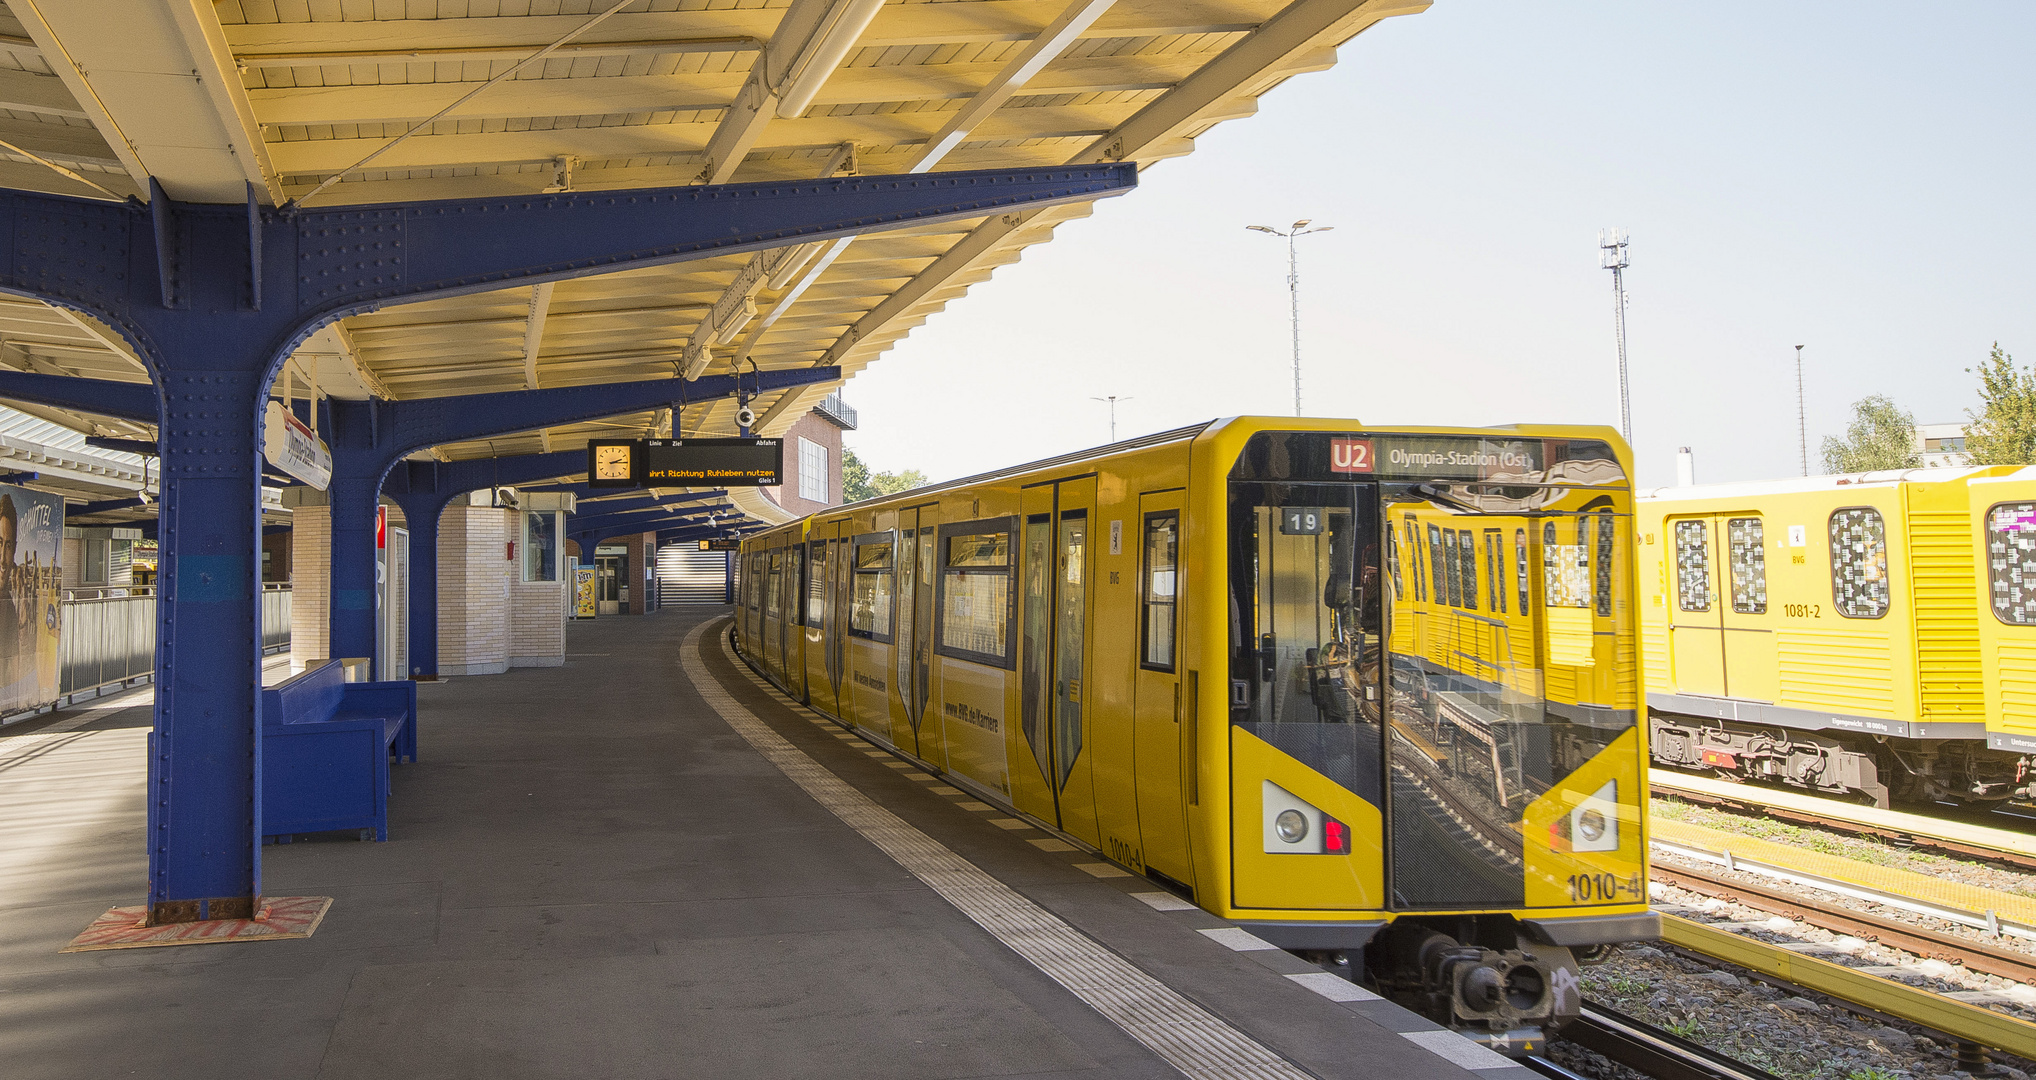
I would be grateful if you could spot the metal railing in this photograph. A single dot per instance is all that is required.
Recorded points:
(109, 633)
(837, 410)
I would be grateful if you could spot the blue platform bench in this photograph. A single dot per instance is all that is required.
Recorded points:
(326, 748)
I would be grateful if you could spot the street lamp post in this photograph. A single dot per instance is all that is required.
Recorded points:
(1112, 400)
(1298, 229)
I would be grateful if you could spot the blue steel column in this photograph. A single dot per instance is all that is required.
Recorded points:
(421, 513)
(204, 757)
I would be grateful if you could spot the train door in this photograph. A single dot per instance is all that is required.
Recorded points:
(1696, 626)
(1053, 687)
(1751, 668)
(824, 673)
(794, 626)
(772, 634)
(1157, 732)
(917, 538)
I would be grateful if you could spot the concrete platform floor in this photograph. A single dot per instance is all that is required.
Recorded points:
(592, 874)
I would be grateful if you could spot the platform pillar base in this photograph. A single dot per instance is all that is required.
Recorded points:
(274, 918)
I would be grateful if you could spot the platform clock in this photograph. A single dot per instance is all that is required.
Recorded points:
(612, 463)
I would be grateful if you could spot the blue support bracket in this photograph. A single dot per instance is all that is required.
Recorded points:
(126, 446)
(179, 282)
(138, 402)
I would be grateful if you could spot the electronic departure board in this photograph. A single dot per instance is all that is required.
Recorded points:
(619, 463)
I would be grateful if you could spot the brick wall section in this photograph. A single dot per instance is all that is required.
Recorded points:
(311, 556)
(815, 429)
(473, 590)
(537, 624)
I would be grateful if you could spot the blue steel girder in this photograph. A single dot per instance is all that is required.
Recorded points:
(214, 299)
(122, 401)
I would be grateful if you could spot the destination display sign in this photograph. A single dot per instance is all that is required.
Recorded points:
(685, 462)
(1439, 457)
(720, 545)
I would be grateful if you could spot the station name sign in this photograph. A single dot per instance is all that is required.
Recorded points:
(1437, 457)
(623, 463)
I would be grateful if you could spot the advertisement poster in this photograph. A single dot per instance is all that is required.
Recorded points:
(583, 592)
(31, 584)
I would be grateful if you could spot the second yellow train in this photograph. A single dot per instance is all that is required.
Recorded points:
(1871, 635)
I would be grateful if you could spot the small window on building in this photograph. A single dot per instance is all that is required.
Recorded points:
(1693, 565)
(976, 606)
(812, 470)
(1859, 563)
(869, 611)
(1162, 567)
(540, 545)
(1747, 544)
(2011, 561)
(96, 554)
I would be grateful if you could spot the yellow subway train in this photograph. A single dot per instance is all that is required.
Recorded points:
(1868, 635)
(1372, 694)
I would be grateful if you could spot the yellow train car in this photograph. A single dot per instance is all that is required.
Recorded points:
(1372, 694)
(2003, 510)
(1825, 633)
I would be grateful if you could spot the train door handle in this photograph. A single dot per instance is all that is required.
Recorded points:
(1267, 657)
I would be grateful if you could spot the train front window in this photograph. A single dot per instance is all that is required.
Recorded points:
(1311, 556)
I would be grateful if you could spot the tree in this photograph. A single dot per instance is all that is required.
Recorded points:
(859, 483)
(1881, 436)
(2003, 431)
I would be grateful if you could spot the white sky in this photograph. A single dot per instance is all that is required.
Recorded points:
(1856, 178)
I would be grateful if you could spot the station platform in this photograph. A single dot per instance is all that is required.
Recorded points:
(645, 863)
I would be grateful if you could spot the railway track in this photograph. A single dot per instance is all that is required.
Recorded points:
(2006, 963)
(1962, 836)
(1644, 1048)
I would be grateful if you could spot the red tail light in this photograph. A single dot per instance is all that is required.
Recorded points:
(1335, 837)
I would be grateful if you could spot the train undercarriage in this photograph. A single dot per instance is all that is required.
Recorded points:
(1883, 769)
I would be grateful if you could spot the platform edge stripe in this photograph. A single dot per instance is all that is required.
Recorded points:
(1458, 1051)
(1193, 1040)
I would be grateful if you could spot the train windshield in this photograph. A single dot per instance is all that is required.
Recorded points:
(1445, 647)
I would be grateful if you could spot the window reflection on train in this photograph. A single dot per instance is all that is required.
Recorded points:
(1492, 610)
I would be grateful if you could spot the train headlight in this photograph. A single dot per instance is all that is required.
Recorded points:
(1594, 824)
(1294, 826)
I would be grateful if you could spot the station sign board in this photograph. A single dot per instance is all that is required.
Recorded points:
(720, 545)
(289, 445)
(618, 463)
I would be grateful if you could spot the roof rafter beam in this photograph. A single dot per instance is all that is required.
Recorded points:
(811, 34)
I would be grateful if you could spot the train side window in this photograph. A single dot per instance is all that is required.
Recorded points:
(1437, 568)
(1693, 565)
(1467, 550)
(1452, 574)
(775, 585)
(1746, 545)
(1495, 578)
(1520, 566)
(1393, 560)
(1859, 563)
(1162, 556)
(1565, 570)
(1607, 529)
(977, 604)
(2011, 561)
(816, 585)
(869, 610)
(1416, 568)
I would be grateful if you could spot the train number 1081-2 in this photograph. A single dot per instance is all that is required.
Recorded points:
(1603, 888)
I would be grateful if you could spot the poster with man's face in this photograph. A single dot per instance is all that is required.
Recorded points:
(31, 586)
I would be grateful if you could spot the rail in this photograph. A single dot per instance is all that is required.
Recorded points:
(109, 634)
(1648, 1049)
(1963, 1023)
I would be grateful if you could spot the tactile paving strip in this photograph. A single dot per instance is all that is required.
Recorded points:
(1187, 1036)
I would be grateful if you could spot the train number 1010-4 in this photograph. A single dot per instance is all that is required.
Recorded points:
(1603, 888)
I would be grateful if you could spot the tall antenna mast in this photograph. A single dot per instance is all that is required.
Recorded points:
(1802, 428)
(1612, 256)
